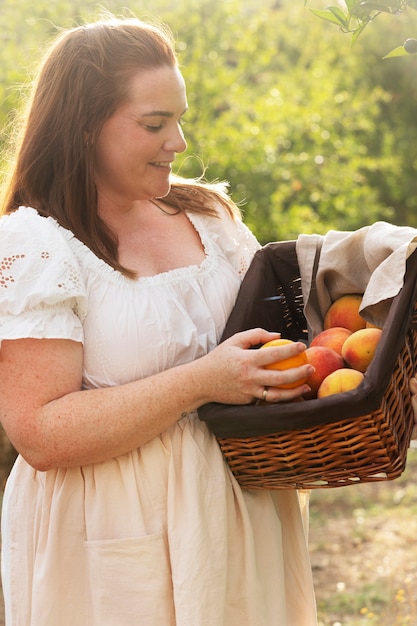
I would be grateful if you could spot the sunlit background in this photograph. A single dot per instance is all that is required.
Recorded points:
(312, 133)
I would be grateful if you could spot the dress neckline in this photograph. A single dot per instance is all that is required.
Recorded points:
(176, 274)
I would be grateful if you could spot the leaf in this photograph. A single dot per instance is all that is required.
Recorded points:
(339, 15)
(397, 52)
(358, 31)
(328, 15)
(351, 4)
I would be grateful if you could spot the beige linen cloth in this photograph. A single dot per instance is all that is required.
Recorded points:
(370, 261)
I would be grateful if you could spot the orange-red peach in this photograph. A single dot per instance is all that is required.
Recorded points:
(359, 349)
(325, 360)
(345, 312)
(344, 379)
(333, 338)
(295, 361)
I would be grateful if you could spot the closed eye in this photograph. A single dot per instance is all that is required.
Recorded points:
(153, 129)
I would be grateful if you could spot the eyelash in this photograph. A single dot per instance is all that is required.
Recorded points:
(155, 129)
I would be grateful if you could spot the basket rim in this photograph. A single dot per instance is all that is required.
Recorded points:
(239, 421)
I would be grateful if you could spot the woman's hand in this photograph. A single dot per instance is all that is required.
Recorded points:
(413, 389)
(236, 374)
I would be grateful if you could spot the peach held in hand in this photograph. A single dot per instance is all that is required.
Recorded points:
(333, 338)
(359, 349)
(341, 380)
(326, 361)
(345, 312)
(294, 361)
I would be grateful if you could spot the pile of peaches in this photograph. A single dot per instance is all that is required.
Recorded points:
(341, 352)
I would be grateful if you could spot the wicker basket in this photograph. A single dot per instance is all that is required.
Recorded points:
(357, 436)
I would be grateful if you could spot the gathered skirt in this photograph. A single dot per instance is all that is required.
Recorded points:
(162, 536)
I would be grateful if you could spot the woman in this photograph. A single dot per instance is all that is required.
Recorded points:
(116, 282)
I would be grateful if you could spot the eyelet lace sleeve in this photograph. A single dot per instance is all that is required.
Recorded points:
(42, 294)
(245, 246)
(234, 239)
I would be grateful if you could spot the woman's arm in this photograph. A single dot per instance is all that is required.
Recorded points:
(53, 423)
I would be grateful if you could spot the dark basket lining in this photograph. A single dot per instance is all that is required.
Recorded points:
(271, 297)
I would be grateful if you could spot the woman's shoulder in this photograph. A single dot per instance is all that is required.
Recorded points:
(26, 221)
(42, 292)
(229, 235)
(22, 215)
(226, 227)
(34, 250)
(34, 234)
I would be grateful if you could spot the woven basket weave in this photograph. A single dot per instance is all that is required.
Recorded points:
(358, 436)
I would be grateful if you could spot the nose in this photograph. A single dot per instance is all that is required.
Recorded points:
(176, 141)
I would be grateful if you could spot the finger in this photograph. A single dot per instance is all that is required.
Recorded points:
(291, 376)
(413, 385)
(275, 354)
(275, 394)
(253, 337)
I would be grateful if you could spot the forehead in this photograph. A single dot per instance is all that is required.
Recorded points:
(152, 89)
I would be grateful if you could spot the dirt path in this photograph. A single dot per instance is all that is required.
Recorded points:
(363, 544)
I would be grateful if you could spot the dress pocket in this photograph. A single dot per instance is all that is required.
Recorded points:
(130, 581)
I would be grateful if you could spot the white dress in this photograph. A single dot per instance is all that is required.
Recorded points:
(164, 535)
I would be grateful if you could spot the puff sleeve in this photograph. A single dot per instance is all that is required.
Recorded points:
(235, 239)
(42, 294)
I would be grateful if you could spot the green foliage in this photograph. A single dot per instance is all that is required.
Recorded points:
(356, 15)
(310, 135)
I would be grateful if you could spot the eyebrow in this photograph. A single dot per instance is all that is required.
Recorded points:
(158, 114)
(161, 113)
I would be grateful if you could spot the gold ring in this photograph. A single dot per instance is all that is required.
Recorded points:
(265, 391)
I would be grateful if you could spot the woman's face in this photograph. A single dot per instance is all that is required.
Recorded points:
(138, 143)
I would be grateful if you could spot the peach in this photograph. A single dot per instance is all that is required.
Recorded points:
(291, 362)
(333, 338)
(345, 312)
(344, 379)
(325, 360)
(359, 349)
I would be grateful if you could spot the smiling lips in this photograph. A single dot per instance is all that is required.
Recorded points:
(161, 163)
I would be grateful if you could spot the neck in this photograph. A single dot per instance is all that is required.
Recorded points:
(165, 211)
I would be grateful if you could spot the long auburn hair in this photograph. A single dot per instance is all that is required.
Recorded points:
(81, 81)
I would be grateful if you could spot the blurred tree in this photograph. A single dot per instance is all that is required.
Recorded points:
(292, 126)
(309, 135)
